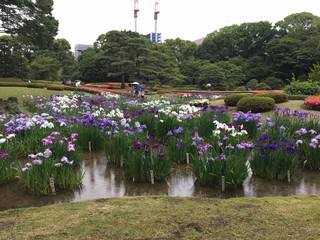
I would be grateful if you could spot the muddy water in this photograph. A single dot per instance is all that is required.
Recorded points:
(102, 180)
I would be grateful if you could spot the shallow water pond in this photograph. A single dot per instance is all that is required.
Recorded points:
(102, 180)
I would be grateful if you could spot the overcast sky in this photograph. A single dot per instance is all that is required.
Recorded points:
(82, 21)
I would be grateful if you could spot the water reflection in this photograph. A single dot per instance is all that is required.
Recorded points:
(102, 180)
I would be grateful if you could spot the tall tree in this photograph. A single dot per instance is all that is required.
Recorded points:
(92, 66)
(213, 74)
(14, 13)
(234, 75)
(168, 68)
(61, 47)
(190, 69)
(183, 50)
(245, 40)
(115, 47)
(12, 58)
(299, 26)
(45, 68)
(282, 56)
(31, 21)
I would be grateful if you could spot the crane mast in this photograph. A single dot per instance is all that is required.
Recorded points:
(156, 12)
(135, 14)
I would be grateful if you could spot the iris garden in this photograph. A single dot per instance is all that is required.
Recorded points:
(42, 150)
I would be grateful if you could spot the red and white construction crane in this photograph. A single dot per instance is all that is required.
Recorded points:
(156, 12)
(135, 14)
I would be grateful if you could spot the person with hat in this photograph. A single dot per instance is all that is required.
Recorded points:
(134, 89)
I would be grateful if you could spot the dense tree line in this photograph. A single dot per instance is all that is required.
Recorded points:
(257, 53)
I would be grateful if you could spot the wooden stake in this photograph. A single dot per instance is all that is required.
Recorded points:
(151, 176)
(223, 184)
(53, 189)
(89, 146)
(188, 160)
(121, 162)
(289, 177)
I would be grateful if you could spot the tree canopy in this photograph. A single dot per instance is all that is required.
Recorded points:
(228, 58)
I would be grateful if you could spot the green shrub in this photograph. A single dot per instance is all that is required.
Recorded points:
(297, 97)
(13, 84)
(252, 83)
(36, 85)
(70, 88)
(262, 86)
(277, 96)
(12, 108)
(302, 88)
(256, 104)
(55, 87)
(240, 88)
(185, 87)
(231, 100)
(274, 83)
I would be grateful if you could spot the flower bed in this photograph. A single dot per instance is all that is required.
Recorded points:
(147, 138)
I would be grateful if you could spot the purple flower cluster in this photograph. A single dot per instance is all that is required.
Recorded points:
(4, 155)
(247, 117)
(245, 145)
(266, 142)
(203, 148)
(54, 137)
(222, 157)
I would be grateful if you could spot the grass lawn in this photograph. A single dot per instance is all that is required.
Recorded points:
(18, 92)
(167, 218)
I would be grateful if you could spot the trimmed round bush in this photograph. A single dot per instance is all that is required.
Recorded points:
(262, 86)
(240, 88)
(277, 96)
(256, 104)
(252, 83)
(231, 100)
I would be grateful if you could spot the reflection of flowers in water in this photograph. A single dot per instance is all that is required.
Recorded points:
(112, 181)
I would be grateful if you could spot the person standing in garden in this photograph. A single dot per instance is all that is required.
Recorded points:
(134, 91)
(141, 91)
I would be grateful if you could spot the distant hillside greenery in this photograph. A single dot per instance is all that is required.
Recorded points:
(268, 56)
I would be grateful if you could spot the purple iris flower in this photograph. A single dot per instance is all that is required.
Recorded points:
(223, 157)
(149, 138)
(137, 144)
(178, 130)
(4, 155)
(161, 155)
(282, 128)
(156, 145)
